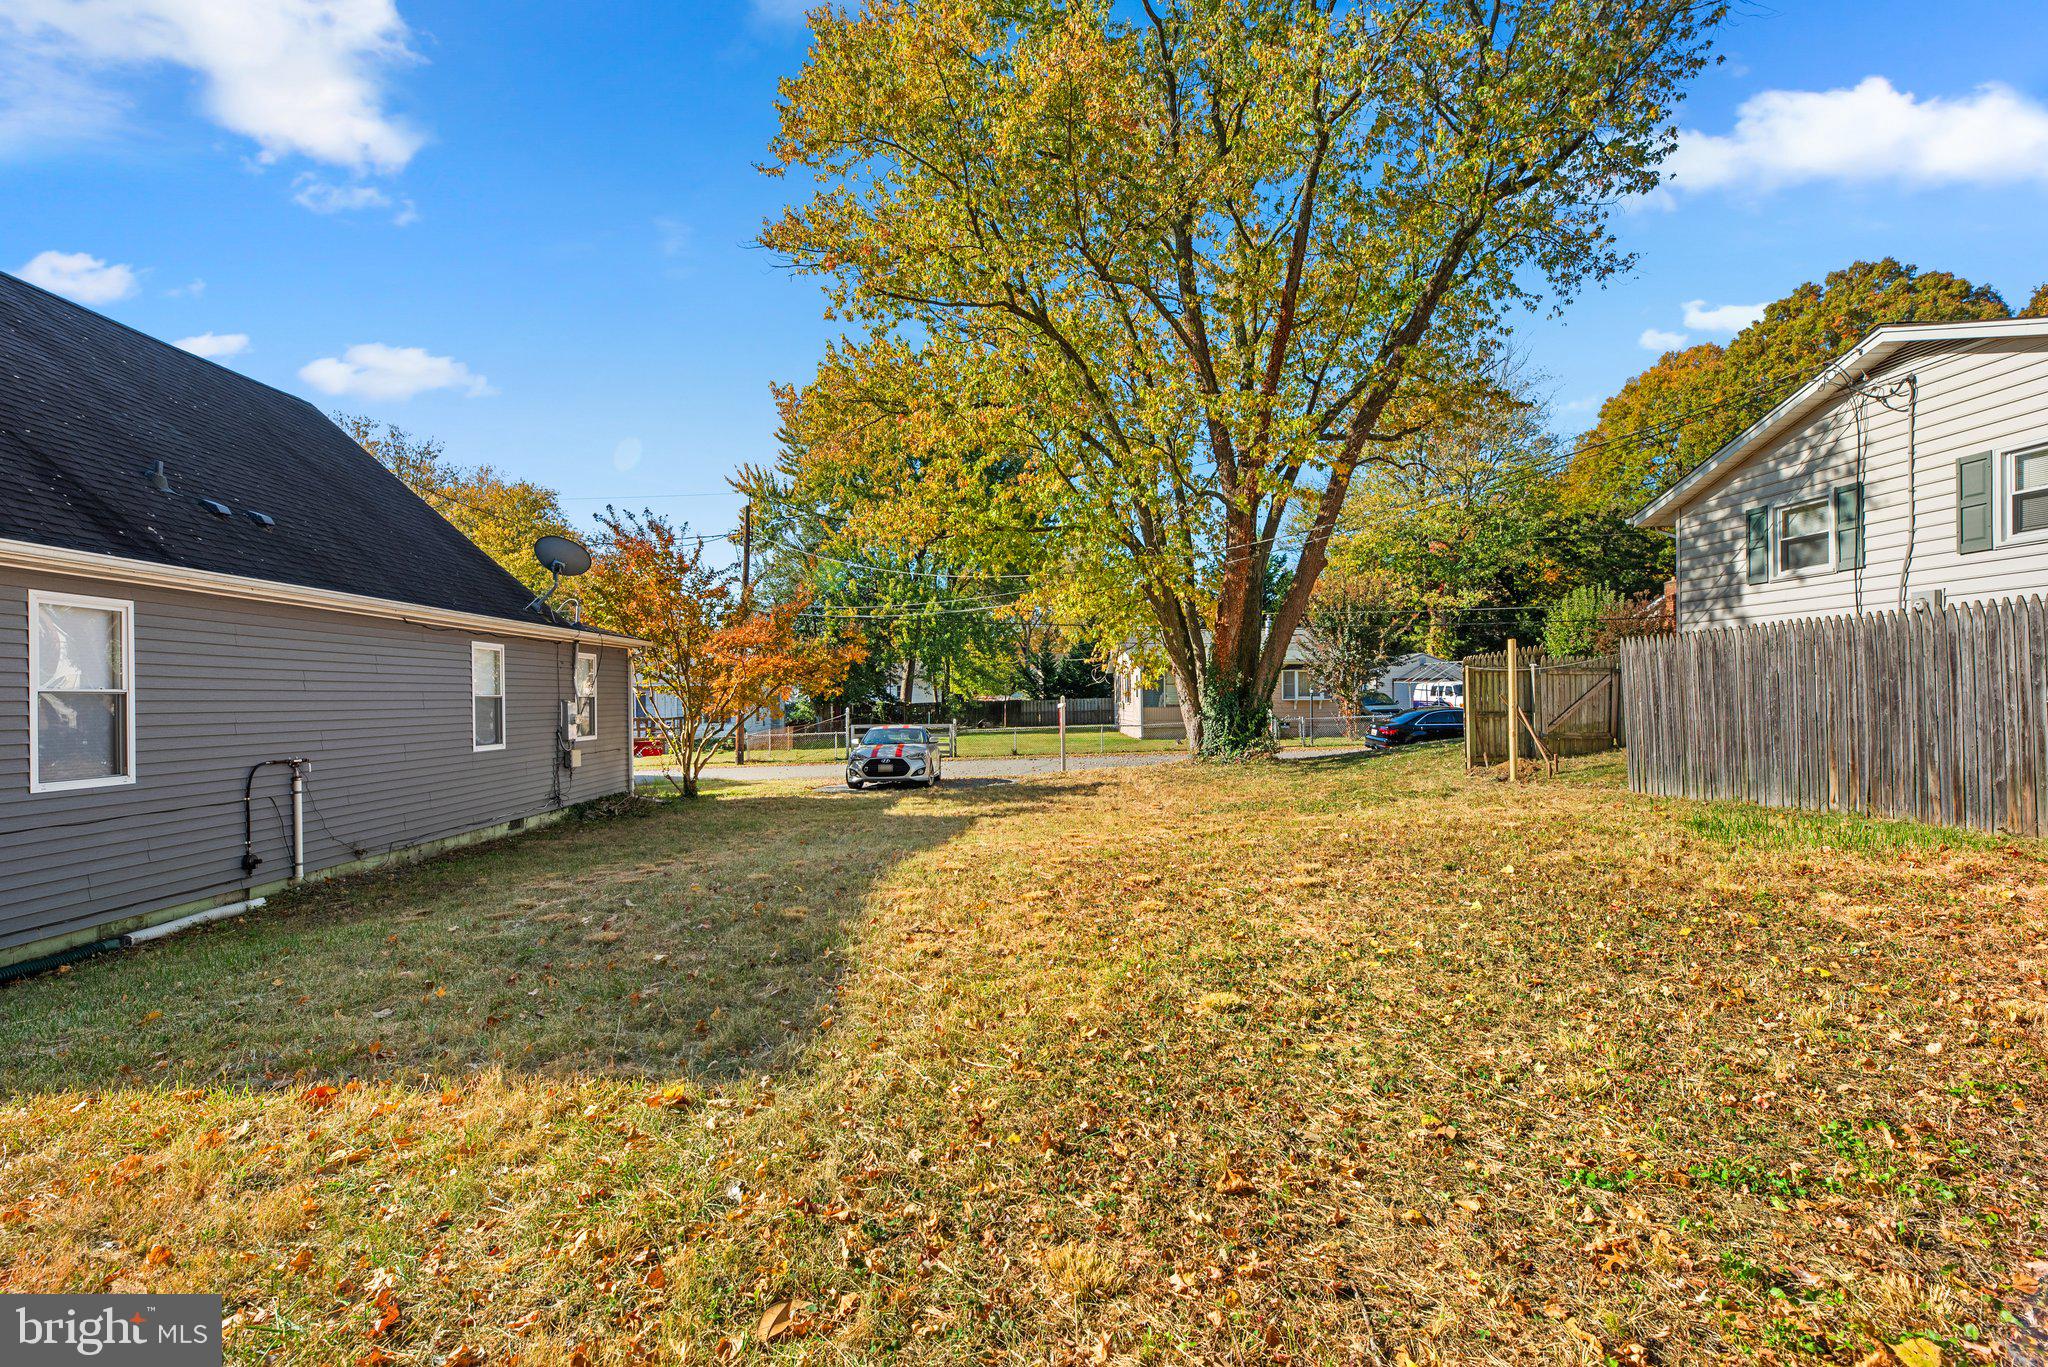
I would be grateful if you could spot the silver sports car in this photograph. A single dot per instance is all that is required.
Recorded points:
(893, 754)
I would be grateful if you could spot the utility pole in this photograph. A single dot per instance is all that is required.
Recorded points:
(739, 730)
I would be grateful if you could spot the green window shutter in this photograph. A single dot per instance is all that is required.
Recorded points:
(1759, 520)
(1973, 504)
(1849, 527)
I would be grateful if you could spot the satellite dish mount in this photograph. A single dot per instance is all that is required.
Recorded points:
(559, 556)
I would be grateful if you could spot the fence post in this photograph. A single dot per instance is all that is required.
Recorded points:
(1514, 716)
(1063, 735)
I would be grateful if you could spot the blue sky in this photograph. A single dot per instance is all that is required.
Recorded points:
(525, 227)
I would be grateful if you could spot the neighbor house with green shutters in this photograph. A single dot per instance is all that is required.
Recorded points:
(1912, 471)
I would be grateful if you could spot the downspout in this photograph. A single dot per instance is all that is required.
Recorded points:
(1912, 484)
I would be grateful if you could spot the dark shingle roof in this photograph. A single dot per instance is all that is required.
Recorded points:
(1422, 667)
(86, 405)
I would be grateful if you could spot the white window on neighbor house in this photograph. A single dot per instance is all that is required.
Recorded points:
(1297, 685)
(1166, 695)
(81, 670)
(586, 695)
(1805, 537)
(487, 695)
(2027, 494)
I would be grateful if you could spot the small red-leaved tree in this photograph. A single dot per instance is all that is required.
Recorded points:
(710, 647)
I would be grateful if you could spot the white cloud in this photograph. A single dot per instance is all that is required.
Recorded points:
(1658, 340)
(627, 454)
(298, 77)
(190, 291)
(214, 345)
(80, 276)
(46, 103)
(1869, 133)
(325, 197)
(1701, 316)
(374, 370)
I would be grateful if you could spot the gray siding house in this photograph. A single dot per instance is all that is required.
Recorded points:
(237, 648)
(1912, 470)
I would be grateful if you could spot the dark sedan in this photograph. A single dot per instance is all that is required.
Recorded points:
(1423, 723)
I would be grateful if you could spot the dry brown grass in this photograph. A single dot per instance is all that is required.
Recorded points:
(1323, 1060)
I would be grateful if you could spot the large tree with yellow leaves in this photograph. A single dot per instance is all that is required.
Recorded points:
(1185, 267)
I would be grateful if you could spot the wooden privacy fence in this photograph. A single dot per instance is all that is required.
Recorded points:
(1572, 705)
(1937, 715)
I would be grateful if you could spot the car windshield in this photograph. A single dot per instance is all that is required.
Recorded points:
(897, 735)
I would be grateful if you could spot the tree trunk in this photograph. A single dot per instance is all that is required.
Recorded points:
(1237, 714)
(1189, 691)
(909, 682)
(675, 750)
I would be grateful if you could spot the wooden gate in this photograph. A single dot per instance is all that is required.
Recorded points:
(1572, 705)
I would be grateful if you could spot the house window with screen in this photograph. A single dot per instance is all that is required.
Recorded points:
(80, 663)
(2029, 507)
(586, 696)
(487, 695)
(1296, 686)
(1166, 695)
(1805, 537)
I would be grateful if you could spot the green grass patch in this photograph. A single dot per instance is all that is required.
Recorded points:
(1769, 828)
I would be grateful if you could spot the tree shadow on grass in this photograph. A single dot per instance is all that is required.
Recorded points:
(703, 938)
(1308, 761)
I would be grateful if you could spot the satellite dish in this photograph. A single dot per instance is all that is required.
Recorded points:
(558, 555)
(561, 556)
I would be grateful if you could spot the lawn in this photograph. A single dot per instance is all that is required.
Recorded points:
(1327, 1060)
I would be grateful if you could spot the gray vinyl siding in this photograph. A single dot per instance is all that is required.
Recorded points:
(380, 706)
(1986, 396)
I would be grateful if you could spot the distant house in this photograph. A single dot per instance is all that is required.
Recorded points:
(1423, 680)
(1912, 470)
(239, 649)
(1149, 705)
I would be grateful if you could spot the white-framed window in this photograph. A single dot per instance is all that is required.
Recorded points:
(1298, 685)
(1803, 536)
(2026, 494)
(81, 667)
(487, 695)
(585, 721)
(1166, 695)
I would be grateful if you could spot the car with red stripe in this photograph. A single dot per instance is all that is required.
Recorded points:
(893, 754)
